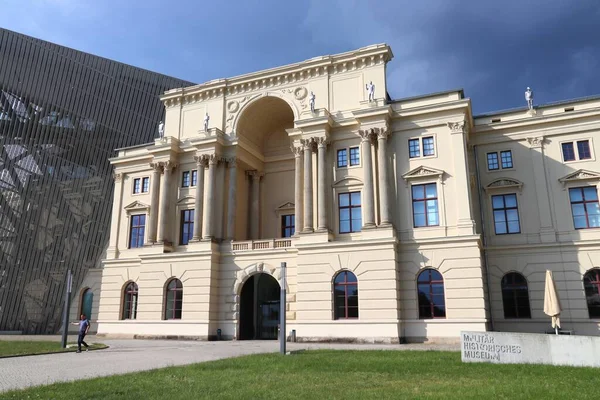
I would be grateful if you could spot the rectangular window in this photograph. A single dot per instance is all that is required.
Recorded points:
(185, 179)
(428, 149)
(136, 231)
(414, 150)
(350, 212)
(583, 149)
(506, 214)
(342, 158)
(145, 185)
(194, 177)
(568, 151)
(584, 206)
(354, 156)
(287, 225)
(425, 205)
(492, 161)
(137, 185)
(506, 159)
(187, 226)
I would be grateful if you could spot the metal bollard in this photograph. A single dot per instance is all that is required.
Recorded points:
(218, 334)
(293, 336)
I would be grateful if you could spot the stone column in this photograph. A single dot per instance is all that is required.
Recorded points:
(231, 203)
(384, 205)
(199, 200)
(308, 186)
(210, 196)
(322, 222)
(163, 225)
(113, 245)
(254, 204)
(368, 197)
(218, 221)
(465, 222)
(298, 151)
(154, 205)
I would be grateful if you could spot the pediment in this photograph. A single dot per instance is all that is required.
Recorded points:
(137, 205)
(286, 206)
(347, 181)
(185, 199)
(423, 172)
(504, 183)
(580, 175)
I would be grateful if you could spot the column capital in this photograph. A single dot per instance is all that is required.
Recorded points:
(382, 133)
(118, 176)
(232, 162)
(322, 142)
(213, 159)
(536, 142)
(201, 160)
(156, 167)
(168, 166)
(254, 174)
(297, 150)
(457, 127)
(366, 134)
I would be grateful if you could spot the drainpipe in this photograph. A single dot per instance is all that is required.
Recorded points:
(484, 237)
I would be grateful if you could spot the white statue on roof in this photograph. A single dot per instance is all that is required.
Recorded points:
(311, 101)
(161, 130)
(529, 98)
(206, 119)
(371, 90)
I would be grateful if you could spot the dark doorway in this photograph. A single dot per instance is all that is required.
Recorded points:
(259, 308)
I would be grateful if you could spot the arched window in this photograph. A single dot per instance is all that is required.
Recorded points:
(174, 299)
(130, 301)
(87, 298)
(515, 296)
(591, 283)
(432, 303)
(345, 292)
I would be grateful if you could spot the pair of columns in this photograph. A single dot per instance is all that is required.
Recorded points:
(368, 137)
(303, 190)
(158, 231)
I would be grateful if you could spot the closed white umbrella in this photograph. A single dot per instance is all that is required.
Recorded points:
(552, 302)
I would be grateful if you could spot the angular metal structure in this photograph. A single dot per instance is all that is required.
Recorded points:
(62, 114)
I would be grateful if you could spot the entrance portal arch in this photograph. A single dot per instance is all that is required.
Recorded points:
(259, 307)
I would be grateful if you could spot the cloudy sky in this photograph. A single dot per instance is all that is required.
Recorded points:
(493, 49)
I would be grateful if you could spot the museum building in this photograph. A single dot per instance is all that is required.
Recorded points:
(399, 220)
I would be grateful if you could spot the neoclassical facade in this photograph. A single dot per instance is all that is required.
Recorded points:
(398, 219)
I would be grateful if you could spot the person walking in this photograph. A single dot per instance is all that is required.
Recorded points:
(84, 327)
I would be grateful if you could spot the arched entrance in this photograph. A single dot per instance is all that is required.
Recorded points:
(86, 303)
(259, 308)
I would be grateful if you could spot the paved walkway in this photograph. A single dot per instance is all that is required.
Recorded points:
(125, 356)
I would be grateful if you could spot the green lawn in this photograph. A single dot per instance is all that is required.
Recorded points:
(335, 375)
(20, 348)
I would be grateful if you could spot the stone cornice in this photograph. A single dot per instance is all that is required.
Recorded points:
(291, 74)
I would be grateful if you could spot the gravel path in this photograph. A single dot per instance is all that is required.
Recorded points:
(125, 356)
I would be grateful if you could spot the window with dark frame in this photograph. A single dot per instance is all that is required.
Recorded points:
(428, 148)
(584, 207)
(287, 225)
(492, 161)
(425, 205)
(350, 212)
(145, 185)
(137, 230)
(591, 284)
(194, 177)
(354, 156)
(568, 151)
(414, 148)
(506, 159)
(130, 301)
(137, 185)
(430, 288)
(345, 296)
(185, 179)
(174, 299)
(515, 296)
(342, 158)
(583, 149)
(187, 226)
(506, 214)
